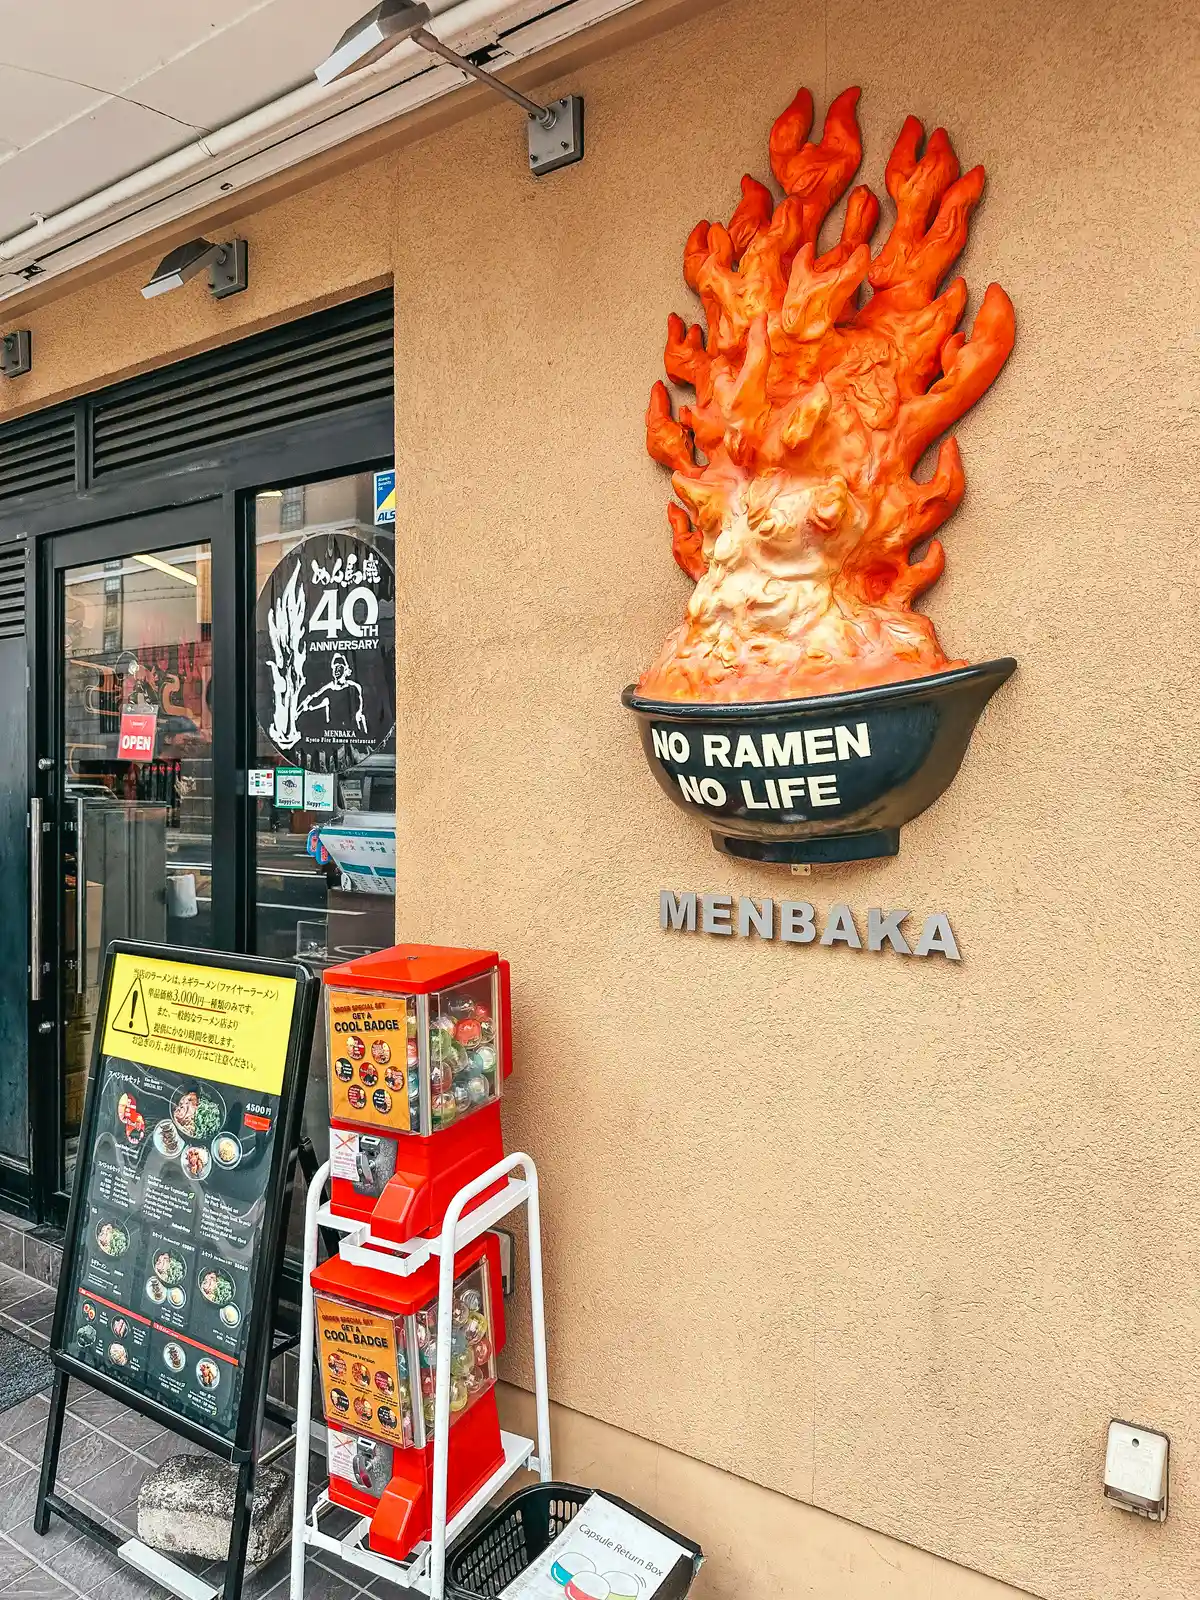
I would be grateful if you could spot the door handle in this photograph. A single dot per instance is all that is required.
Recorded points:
(35, 898)
(80, 900)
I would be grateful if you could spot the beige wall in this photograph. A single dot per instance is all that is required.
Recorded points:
(758, 1545)
(894, 1239)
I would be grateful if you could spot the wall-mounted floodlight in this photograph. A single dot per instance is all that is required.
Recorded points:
(228, 268)
(555, 131)
(16, 353)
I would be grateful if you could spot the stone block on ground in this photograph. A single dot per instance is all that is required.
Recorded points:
(186, 1508)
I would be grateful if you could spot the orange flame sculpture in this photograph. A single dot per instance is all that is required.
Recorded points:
(812, 410)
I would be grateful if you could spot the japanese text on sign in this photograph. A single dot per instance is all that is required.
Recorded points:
(229, 1026)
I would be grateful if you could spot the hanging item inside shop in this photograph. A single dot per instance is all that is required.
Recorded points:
(325, 627)
(803, 708)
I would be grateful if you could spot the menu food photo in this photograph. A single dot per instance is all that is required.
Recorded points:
(174, 1182)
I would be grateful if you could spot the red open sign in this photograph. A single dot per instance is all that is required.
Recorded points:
(136, 741)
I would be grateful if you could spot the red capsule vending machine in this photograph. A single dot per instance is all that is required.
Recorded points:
(405, 1322)
(377, 1351)
(420, 1042)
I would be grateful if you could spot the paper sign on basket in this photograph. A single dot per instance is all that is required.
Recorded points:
(603, 1553)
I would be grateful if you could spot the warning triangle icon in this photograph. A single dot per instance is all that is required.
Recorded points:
(131, 1015)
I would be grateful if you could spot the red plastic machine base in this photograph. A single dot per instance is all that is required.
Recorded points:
(403, 1515)
(429, 1173)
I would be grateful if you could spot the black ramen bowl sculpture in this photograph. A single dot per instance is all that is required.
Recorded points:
(831, 778)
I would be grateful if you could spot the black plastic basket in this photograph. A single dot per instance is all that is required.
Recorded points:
(481, 1563)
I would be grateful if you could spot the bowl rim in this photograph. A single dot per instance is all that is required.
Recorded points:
(933, 683)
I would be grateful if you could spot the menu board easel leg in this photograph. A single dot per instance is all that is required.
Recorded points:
(239, 1534)
(54, 1428)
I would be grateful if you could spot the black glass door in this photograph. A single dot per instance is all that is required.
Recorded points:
(136, 763)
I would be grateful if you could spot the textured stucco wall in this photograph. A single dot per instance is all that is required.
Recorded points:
(892, 1237)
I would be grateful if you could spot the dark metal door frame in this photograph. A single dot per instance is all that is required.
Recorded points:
(217, 497)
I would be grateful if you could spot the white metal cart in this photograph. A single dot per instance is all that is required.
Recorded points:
(425, 1569)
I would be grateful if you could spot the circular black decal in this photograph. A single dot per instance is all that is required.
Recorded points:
(326, 621)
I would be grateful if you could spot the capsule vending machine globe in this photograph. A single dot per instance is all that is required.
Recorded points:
(419, 1040)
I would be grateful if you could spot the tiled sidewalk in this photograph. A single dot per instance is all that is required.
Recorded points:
(106, 1452)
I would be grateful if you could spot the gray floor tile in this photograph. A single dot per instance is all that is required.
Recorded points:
(113, 1488)
(93, 1406)
(129, 1585)
(86, 1565)
(38, 1584)
(41, 1547)
(15, 1287)
(17, 1499)
(13, 1562)
(336, 1522)
(163, 1446)
(31, 1442)
(131, 1429)
(12, 1246)
(37, 1259)
(122, 1521)
(11, 1466)
(38, 1303)
(272, 1580)
(321, 1584)
(18, 1418)
(86, 1457)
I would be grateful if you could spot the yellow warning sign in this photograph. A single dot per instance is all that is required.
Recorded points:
(214, 1022)
(130, 1016)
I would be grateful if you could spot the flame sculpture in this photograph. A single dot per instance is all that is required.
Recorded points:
(813, 406)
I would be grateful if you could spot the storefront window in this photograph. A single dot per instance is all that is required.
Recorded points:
(325, 774)
(325, 868)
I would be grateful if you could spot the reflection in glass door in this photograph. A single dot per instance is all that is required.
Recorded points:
(137, 759)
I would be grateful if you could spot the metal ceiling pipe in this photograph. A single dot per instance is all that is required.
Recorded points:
(291, 115)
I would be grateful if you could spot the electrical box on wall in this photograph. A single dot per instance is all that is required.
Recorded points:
(1136, 1466)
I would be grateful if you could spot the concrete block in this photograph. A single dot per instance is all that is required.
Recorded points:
(186, 1508)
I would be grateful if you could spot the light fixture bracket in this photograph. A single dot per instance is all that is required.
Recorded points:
(230, 270)
(555, 131)
(16, 353)
(558, 143)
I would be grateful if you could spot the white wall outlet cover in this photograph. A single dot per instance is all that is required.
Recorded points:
(1136, 1469)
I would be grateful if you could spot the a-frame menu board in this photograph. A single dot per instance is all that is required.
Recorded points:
(174, 1242)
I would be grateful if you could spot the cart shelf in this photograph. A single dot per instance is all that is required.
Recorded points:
(425, 1569)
